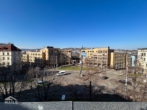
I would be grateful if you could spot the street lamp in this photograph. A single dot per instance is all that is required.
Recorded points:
(126, 79)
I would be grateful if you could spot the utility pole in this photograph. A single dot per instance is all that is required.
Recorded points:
(126, 79)
(81, 66)
(56, 61)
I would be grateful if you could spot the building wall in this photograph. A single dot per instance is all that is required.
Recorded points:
(25, 59)
(68, 54)
(129, 59)
(118, 60)
(133, 60)
(112, 60)
(11, 59)
(51, 56)
(98, 56)
(142, 57)
(36, 58)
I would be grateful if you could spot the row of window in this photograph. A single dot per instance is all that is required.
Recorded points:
(5, 63)
(4, 58)
(8, 53)
(143, 54)
(7, 58)
(36, 54)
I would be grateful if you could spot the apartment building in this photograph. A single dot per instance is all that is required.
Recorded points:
(129, 59)
(68, 55)
(97, 56)
(142, 57)
(24, 58)
(47, 56)
(52, 56)
(118, 60)
(10, 57)
(36, 58)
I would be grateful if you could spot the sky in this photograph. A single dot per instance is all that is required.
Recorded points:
(119, 24)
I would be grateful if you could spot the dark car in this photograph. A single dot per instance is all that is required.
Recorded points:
(123, 82)
(105, 77)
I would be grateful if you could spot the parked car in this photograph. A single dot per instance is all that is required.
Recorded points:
(105, 77)
(123, 82)
(61, 73)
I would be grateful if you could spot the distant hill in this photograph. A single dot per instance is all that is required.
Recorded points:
(30, 49)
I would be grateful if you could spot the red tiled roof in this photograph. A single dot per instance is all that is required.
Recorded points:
(9, 47)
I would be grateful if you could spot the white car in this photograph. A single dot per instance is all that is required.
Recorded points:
(61, 73)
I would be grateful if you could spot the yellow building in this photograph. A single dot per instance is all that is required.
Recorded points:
(129, 59)
(47, 56)
(118, 60)
(25, 58)
(36, 58)
(51, 56)
(97, 56)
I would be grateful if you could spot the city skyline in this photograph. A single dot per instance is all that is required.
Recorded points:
(63, 24)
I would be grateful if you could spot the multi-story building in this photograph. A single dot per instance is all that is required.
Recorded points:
(47, 56)
(52, 56)
(97, 56)
(118, 60)
(142, 57)
(36, 58)
(68, 55)
(10, 57)
(24, 58)
(128, 60)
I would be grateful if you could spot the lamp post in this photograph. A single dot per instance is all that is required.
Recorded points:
(126, 79)
(81, 66)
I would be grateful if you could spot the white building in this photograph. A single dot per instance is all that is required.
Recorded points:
(10, 57)
(142, 57)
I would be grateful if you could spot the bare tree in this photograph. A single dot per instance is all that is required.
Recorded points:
(10, 85)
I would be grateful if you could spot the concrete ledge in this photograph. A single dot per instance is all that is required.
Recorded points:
(109, 106)
(66, 105)
(69, 105)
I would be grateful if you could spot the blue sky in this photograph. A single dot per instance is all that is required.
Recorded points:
(73, 23)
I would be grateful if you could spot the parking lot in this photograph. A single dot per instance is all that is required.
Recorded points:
(74, 78)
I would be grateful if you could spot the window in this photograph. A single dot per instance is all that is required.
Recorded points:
(3, 53)
(7, 63)
(144, 54)
(3, 63)
(8, 58)
(3, 58)
(141, 54)
(144, 59)
(7, 53)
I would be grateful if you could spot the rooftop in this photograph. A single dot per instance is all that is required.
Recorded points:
(142, 48)
(8, 47)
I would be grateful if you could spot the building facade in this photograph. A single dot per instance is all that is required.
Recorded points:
(142, 57)
(47, 56)
(52, 56)
(36, 58)
(24, 58)
(97, 56)
(10, 57)
(118, 60)
(67, 53)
